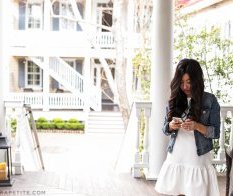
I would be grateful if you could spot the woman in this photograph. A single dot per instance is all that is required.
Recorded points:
(192, 122)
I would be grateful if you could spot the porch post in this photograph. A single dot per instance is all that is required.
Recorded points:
(4, 58)
(130, 50)
(46, 85)
(88, 10)
(46, 15)
(86, 86)
(160, 80)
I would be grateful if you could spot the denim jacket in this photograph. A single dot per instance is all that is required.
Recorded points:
(210, 118)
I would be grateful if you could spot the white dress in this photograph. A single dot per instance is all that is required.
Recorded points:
(186, 173)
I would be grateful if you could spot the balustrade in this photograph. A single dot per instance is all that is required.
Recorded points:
(55, 100)
(141, 158)
(142, 154)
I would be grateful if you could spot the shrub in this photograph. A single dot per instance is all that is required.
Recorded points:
(73, 120)
(39, 125)
(52, 125)
(80, 126)
(57, 120)
(45, 125)
(42, 119)
(58, 123)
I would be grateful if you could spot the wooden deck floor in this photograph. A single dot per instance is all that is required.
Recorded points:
(82, 166)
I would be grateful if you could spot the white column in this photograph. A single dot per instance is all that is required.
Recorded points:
(47, 15)
(86, 86)
(1, 66)
(46, 85)
(160, 80)
(4, 58)
(88, 11)
(130, 50)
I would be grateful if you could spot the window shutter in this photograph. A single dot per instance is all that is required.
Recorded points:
(22, 17)
(56, 20)
(42, 79)
(79, 66)
(21, 72)
(80, 8)
(54, 84)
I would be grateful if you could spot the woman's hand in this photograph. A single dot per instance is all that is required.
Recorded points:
(189, 125)
(175, 124)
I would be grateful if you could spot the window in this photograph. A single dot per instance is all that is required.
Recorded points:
(67, 23)
(71, 62)
(104, 15)
(33, 75)
(34, 16)
(77, 64)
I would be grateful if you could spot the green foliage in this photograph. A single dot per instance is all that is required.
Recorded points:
(57, 120)
(74, 126)
(58, 123)
(45, 125)
(142, 130)
(212, 50)
(42, 120)
(52, 125)
(13, 124)
(142, 71)
(73, 120)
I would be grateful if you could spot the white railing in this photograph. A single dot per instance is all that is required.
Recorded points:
(66, 73)
(62, 72)
(226, 132)
(53, 100)
(72, 81)
(105, 40)
(24, 153)
(141, 114)
(95, 98)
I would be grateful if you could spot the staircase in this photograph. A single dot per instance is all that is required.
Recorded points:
(69, 78)
(105, 122)
(62, 72)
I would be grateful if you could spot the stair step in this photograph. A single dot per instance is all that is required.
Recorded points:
(105, 119)
(105, 122)
(91, 130)
(101, 126)
(108, 114)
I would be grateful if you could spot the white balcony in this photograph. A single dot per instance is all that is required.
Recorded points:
(48, 101)
(68, 43)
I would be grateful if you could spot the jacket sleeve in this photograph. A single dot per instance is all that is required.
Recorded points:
(213, 126)
(166, 124)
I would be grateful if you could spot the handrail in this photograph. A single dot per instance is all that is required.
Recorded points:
(141, 157)
(69, 78)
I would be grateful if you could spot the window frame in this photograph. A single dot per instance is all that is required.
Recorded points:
(33, 85)
(69, 25)
(28, 16)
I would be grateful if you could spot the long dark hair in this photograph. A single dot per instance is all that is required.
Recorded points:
(178, 99)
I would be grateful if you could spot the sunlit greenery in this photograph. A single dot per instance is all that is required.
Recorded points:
(212, 49)
(142, 70)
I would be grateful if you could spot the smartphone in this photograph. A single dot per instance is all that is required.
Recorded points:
(177, 119)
